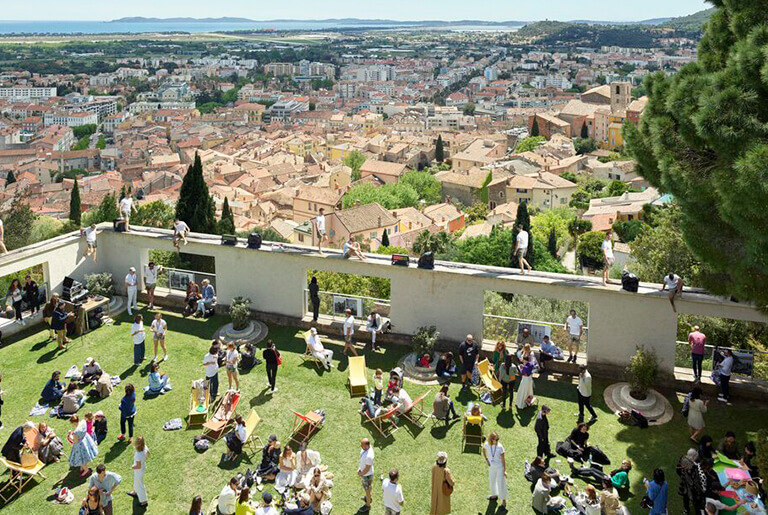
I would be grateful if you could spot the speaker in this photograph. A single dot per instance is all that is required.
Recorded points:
(254, 241)
(229, 239)
(629, 281)
(400, 260)
(118, 225)
(427, 261)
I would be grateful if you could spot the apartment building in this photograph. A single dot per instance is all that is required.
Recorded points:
(25, 93)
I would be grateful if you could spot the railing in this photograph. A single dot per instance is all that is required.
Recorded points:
(6, 304)
(333, 304)
(175, 280)
(747, 362)
(498, 327)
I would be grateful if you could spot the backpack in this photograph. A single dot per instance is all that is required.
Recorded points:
(639, 419)
(686, 406)
(427, 261)
(201, 443)
(629, 281)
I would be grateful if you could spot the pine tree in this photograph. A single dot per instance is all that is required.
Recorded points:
(18, 223)
(75, 212)
(535, 127)
(552, 243)
(227, 222)
(10, 179)
(439, 150)
(385, 239)
(195, 205)
(584, 131)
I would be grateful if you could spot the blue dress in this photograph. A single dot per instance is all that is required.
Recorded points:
(658, 494)
(85, 450)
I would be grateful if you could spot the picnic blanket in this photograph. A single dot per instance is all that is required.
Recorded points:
(38, 410)
(729, 470)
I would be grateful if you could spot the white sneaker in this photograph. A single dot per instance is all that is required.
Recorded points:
(165, 357)
(155, 358)
(274, 391)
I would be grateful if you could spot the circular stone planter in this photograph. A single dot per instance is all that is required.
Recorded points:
(419, 375)
(253, 333)
(116, 305)
(655, 406)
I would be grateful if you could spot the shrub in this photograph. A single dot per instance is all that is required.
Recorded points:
(425, 339)
(590, 250)
(642, 370)
(240, 312)
(100, 284)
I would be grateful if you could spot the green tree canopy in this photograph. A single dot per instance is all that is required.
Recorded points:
(535, 127)
(390, 196)
(17, 223)
(590, 250)
(355, 160)
(75, 210)
(432, 242)
(154, 214)
(529, 144)
(427, 187)
(10, 178)
(704, 138)
(227, 222)
(107, 211)
(195, 205)
(629, 230)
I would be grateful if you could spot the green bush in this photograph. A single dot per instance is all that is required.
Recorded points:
(643, 369)
(425, 340)
(590, 250)
(100, 284)
(240, 312)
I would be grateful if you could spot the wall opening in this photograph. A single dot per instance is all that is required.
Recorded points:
(338, 291)
(28, 301)
(179, 269)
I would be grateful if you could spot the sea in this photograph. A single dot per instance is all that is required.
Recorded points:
(8, 28)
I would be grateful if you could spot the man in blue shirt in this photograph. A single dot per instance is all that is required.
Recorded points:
(209, 297)
(106, 482)
(549, 351)
(53, 390)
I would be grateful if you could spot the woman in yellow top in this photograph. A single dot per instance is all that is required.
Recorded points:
(244, 506)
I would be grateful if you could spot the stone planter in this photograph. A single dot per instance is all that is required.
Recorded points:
(253, 333)
(419, 375)
(655, 406)
(116, 305)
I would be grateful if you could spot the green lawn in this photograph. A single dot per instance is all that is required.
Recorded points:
(176, 472)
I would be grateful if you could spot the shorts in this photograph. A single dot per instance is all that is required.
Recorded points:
(521, 252)
(231, 368)
(610, 261)
(126, 214)
(468, 368)
(91, 245)
(575, 339)
(321, 234)
(151, 286)
(367, 482)
(159, 337)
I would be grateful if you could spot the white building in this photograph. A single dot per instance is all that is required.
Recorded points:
(71, 119)
(27, 92)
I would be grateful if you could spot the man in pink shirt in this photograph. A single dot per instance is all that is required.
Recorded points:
(697, 340)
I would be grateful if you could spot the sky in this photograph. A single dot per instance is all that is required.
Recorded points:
(494, 10)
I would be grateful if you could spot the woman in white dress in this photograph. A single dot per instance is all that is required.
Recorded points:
(696, 410)
(288, 474)
(139, 467)
(306, 461)
(525, 391)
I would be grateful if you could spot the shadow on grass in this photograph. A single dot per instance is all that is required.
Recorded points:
(261, 398)
(71, 480)
(128, 372)
(225, 464)
(439, 432)
(41, 345)
(525, 416)
(50, 355)
(506, 419)
(116, 450)
(137, 508)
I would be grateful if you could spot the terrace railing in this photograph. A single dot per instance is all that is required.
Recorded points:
(333, 304)
(747, 362)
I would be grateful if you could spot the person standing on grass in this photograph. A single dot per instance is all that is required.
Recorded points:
(575, 327)
(443, 484)
(674, 284)
(59, 320)
(725, 368)
(127, 412)
(159, 327)
(150, 282)
(696, 409)
(132, 288)
(697, 342)
(541, 426)
(608, 257)
(494, 455)
(320, 230)
(231, 361)
(48, 310)
(139, 467)
(272, 360)
(139, 336)
(392, 494)
(507, 376)
(211, 364)
(584, 391)
(314, 298)
(658, 492)
(106, 482)
(365, 471)
(469, 350)
(84, 448)
(521, 249)
(349, 331)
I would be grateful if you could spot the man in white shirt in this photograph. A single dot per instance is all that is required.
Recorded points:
(180, 232)
(725, 368)
(365, 471)
(90, 242)
(228, 497)
(150, 281)
(211, 364)
(352, 249)
(266, 507)
(349, 330)
(392, 494)
(584, 390)
(132, 287)
(714, 506)
(674, 284)
(2, 238)
(521, 248)
(404, 401)
(575, 327)
(320, 230)
(608, 258)
(318, 351)
(126, 208)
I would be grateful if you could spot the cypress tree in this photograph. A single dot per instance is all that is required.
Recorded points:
(195, 205)
(584, 131)
(535, 127)
(439, 150)
(385, 239)
(75, 212)
(552, 243)
(10, 179)
(227, 222)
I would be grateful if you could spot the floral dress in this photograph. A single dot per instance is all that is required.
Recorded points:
(85, 449)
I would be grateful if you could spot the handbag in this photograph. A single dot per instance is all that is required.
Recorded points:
(646, 503)
(447, 488)
(279, 358)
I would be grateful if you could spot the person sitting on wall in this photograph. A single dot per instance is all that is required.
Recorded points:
(191, 298)
(53, 390)
(207, 299)
(374, 325)
(549, 351)
(352, 249)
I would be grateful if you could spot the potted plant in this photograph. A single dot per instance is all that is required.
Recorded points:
(643, 369)
(424, 340)
(240, 312)
(100, 284)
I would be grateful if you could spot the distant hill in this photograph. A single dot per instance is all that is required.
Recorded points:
(691, 23)
(141, 19)
(334, 21)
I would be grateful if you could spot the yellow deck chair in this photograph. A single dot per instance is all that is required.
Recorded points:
(488, 382)
(252, 421)
(198, 411)
(472, 432)
(19, 478)
(358, 377)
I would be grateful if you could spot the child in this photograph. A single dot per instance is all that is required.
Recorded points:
(378, 386)
(425, 361)
(100, 426)
(89, 424)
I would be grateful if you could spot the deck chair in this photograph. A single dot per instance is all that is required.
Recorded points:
(304, 427)
(384, 422)
(19, 478)
(199, 401)
(472, 432)
(252, 421)
(416, 413)
(213, 506)
(358, 378)
(488, 382)
(223, 415)
(308, 356)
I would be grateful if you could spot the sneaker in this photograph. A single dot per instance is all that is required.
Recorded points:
(154, 359)
(165, 357)
(722, 399)
(274, 391)
(121, 437)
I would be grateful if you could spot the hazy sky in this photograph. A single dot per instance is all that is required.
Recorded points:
(525, 10)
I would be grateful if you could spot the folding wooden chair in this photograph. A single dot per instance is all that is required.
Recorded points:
(416, 412)
(198, 411)
(472, 432)
(223, 415)
(358, 377)
(488, 382)
(304, 427)
(19, 478)
(252, 421)
(308, 356)
(383, 422)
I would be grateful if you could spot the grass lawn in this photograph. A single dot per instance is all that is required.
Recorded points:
(176, 472)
